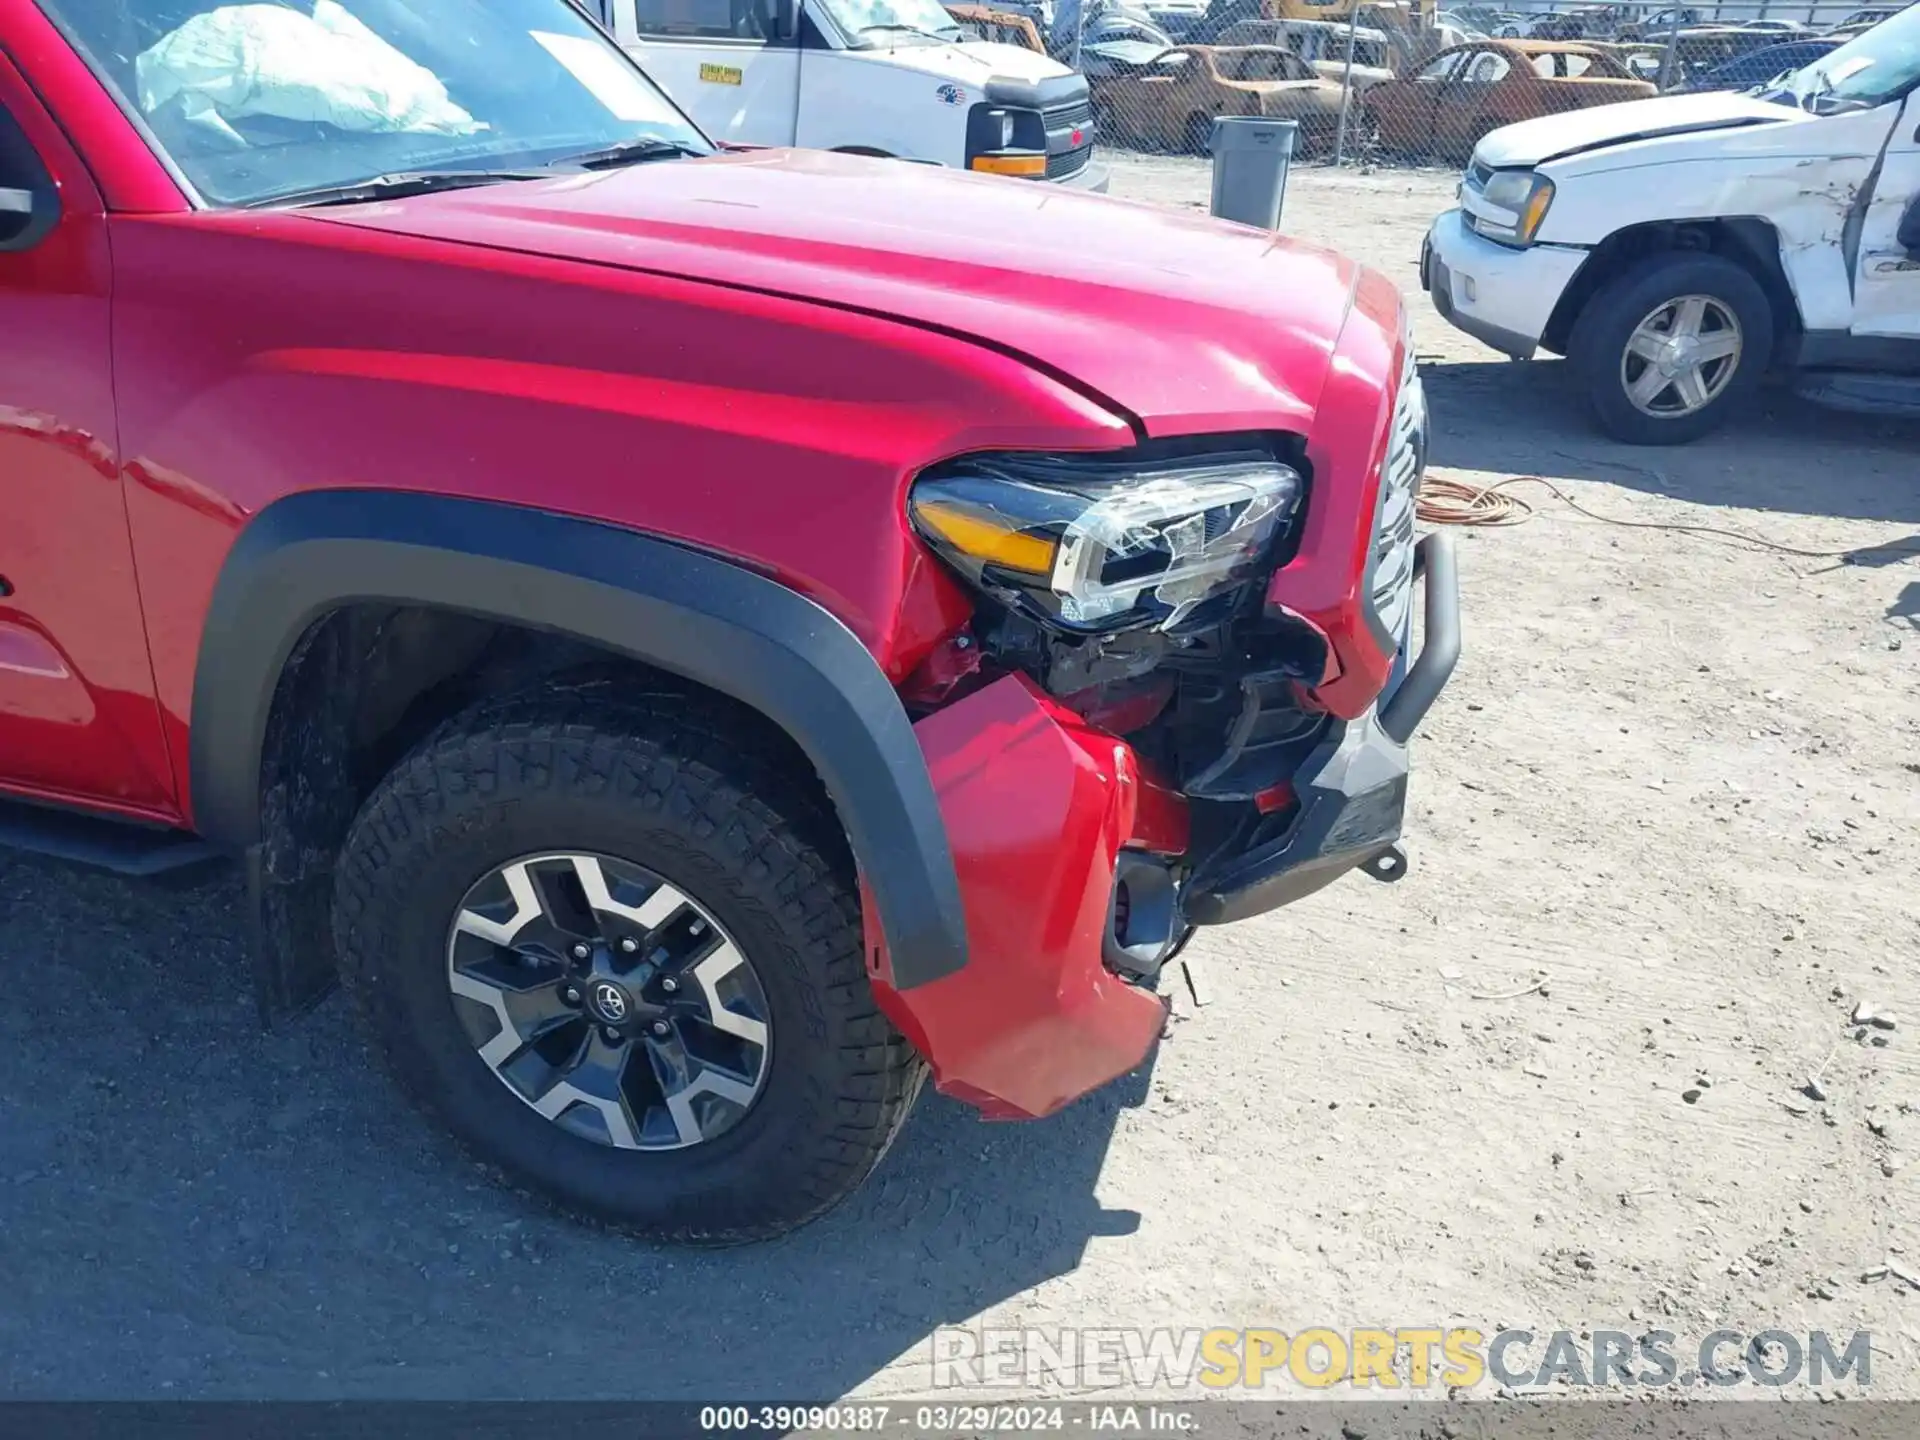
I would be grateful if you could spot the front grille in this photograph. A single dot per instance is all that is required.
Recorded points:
(1399, 480)
(1073, 112)
(1068, 162)
(1069, 136)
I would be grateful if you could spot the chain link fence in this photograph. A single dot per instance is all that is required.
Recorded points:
(1400, 83)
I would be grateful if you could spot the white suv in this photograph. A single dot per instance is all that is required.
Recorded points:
(1677, 249)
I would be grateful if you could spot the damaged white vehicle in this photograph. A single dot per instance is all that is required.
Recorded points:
(897, 79)
(1677, 250)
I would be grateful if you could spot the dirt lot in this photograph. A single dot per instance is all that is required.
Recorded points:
(1674, 780)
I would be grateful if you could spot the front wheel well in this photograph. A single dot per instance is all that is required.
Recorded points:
(395, 672)
(363, 686)
(1748, 241)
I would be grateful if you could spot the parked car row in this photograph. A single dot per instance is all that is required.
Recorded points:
(1757, 67)
(1169, 98)
(1630, 23)
(976, 86)
(1726, 56)
(1443, 110)
(1174, 99)
(1438, 106)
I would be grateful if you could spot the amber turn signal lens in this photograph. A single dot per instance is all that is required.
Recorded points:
(1030, 165)
(1535, 210)
(986, 538)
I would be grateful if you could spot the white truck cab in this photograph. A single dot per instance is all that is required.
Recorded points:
(895, 78)
(1677, 249)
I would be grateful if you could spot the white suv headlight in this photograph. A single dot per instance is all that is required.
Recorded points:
(1519, 201)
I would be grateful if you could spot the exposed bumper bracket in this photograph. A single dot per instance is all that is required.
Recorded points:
(1353, 788)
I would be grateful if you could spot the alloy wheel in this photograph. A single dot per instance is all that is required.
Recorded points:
(608, 1001)
(1681, 356)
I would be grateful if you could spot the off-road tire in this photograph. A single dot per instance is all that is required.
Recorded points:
(658, 781)
(1608, 321)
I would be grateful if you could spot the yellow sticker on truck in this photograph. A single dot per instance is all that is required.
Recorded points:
(720, 74)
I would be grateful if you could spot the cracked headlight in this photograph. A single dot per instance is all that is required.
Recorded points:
(1100, 543)
(1520, 199)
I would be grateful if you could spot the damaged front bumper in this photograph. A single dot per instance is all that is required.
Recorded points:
(1038, 806)
(1076, 880)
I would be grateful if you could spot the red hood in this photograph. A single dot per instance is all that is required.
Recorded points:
(1186, 323)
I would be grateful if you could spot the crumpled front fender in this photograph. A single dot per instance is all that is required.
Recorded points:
(1037, 805)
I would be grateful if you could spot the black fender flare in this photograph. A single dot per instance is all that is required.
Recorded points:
(698, 616)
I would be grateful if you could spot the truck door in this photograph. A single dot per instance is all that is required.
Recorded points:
(725, 62)
(1887, 279)
(78, 719)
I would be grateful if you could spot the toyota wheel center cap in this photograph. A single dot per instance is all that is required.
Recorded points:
(609, 1002)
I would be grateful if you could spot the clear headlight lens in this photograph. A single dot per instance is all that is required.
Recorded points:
(1097, 543)
(1522, 197)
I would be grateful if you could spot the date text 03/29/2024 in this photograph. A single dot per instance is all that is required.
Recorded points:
(948, 1419)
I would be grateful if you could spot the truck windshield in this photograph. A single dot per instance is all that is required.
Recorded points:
(870, 23)
(1868, 70)
(254, 102)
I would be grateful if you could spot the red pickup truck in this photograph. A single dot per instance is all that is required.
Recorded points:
(692, 639)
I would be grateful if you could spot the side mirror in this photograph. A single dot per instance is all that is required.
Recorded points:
(25, 216)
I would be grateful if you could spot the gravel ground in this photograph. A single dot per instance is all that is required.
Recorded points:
(1674, 781)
